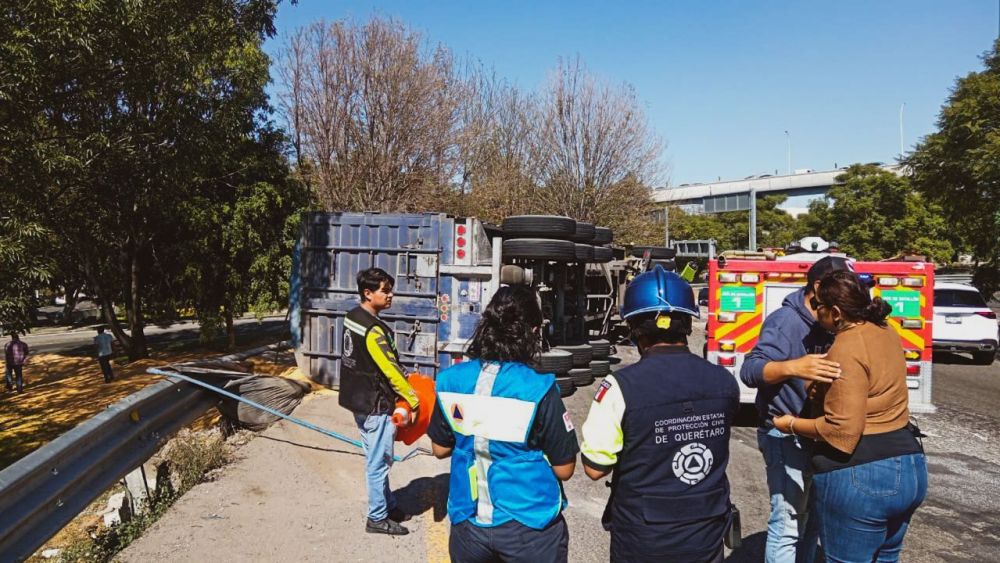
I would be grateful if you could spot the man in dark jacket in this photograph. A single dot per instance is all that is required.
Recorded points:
(791, 350)
(371, 378)
(662, 426)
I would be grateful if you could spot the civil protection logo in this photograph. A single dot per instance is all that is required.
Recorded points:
(692, 463)
(348, 344)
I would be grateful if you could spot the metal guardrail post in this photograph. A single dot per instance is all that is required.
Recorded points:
(45, 490)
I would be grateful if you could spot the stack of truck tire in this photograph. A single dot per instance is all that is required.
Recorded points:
(578, 361)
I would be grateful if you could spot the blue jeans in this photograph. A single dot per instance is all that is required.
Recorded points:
(863, 511)
(377, 436)
(12, 373)
(791, 534)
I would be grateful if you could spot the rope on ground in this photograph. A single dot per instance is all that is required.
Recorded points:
(356, 443)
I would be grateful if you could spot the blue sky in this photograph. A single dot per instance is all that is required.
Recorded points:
(722, 81)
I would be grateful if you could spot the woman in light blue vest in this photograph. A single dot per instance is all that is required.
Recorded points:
(510, 440)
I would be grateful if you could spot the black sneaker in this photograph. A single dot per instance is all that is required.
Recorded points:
(397, 515)
(386, 526)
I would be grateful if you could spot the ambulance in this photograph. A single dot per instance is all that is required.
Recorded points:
(745, 287)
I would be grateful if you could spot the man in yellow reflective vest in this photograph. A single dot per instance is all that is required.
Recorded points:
(371, 378)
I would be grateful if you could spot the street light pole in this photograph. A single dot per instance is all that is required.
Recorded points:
(789, 138)
(901, 148)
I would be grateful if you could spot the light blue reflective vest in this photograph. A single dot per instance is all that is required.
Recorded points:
(495, 477)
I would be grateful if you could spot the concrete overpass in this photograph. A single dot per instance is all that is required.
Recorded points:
(734, 195)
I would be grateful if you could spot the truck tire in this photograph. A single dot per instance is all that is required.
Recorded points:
(582, 354)
(566, 386)
(603, 235)
(601, 348)
(581, 377)
(655, 252)
(540, 249)
(554, 361)
(600, 368)
(584, 253)
(603, 255)
(541, 226)
(584, 232)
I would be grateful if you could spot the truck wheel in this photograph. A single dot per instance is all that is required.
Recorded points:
(582, 354)
(540, 249)
(601, 349)
(554, 361)
(655, 252)
(584, 232)
(603, 235)
(581, 377)
(566, 386)
(983, 358)
(600, 368)
(543, 226)
(603, 255)
(584, 253)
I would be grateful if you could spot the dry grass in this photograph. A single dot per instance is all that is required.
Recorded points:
(63, 391)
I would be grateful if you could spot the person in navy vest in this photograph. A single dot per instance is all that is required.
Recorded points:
(510, 440)
(661, 427)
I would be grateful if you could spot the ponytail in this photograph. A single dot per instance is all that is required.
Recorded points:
(876, 311)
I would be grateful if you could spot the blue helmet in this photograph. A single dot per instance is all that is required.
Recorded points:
(659, 291)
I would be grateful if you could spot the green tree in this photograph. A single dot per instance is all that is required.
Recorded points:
(875, 214)
(958, 167)
(23, 268)
(731, 230)
(114, 118)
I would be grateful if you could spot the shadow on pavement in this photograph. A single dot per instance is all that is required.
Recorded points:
(355, 452)
(423, 494)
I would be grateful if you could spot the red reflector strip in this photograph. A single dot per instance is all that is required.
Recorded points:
(727, 361)
(912, 369)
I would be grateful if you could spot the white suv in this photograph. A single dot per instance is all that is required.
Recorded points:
(963, 322)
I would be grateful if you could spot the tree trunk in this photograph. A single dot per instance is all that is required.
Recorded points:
(107, 308)
(67, 314)
(138, 349)
(230, 329)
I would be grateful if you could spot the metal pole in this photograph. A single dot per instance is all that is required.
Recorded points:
(789, 138)
(666, 226)
(901, 149)
(753, 220)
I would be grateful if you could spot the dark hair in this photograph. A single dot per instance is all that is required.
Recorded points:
(824, 266)
(644, 328)
(371, 279)
(100, 329)
(506, 331)
(844, 289)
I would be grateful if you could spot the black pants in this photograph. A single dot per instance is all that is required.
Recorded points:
(512, 541)
(105, 362)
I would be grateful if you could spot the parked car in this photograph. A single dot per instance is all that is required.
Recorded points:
(964, 323)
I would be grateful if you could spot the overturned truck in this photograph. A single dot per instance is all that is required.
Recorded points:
(447, 269)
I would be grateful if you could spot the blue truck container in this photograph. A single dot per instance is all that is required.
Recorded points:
(446, 270)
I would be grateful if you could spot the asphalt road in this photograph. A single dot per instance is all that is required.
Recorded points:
(297, 495)
(81, 341)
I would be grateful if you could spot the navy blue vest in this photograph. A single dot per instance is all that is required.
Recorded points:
(670, 495)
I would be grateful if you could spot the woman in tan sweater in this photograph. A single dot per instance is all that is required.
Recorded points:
(871, 474)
